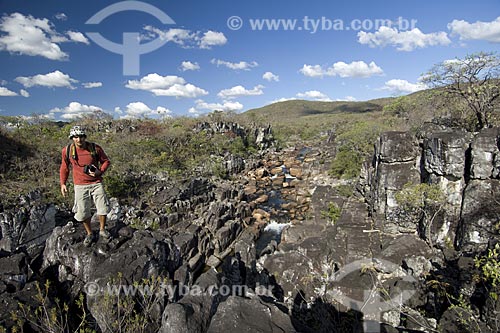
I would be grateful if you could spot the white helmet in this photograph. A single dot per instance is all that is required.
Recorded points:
(77, 131)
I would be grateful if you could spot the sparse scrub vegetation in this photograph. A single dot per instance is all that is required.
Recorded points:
(354, 145)
(421, 203)
(489, 268)
(121, 308)
(32, 156)
(333, 212)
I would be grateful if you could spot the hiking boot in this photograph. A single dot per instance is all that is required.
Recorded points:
(88, 240)
(104, 234)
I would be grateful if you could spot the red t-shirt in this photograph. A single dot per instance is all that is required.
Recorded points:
(84, 158)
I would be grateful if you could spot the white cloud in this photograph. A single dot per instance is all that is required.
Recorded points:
(194, 112)
(342, 69)
(154, 81)
(312, 70)
(169, 85)
(269, 76)
(489, 31)
(77, 37)
(54, 79)
(242, 65)
(181, 91)
(189, 66)
(403, 40)
(24, 93)
(141, 110)
(212, 38)
(38, 117)
(283, 99)
(75, 110)
(27, 35)
(346, 99)
(224, 106)
(314, 95)
(6, 92)
(137, 109)
(187, 38)
(238, 91)
(61, 16)
(90, 85)
(399, 86)
(180, 37)
(355, 69)
(164, 112)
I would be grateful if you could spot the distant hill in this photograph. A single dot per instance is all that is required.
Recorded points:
(294, 109)
(399, 113)
(309, 118)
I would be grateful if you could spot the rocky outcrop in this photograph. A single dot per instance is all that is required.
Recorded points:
(28, 225)
(261, 137)
(250, 314)
(396, 162)
(462, 165)
(262, 249)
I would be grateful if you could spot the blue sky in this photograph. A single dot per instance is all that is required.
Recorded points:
(225, 55)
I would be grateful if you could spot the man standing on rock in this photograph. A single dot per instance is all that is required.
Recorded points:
(89, 162)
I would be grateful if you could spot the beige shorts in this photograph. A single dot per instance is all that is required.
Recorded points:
(84, 196)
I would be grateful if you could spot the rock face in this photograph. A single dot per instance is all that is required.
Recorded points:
(238, 314)
(464, 167)
(395, 163)
(27, 226)
(262, 250)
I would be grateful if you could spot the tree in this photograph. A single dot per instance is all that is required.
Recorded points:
(474, 79)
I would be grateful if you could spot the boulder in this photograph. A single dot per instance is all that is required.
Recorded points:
(28, 225)
(250, 314)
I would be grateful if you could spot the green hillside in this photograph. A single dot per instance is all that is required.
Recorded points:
(308, 119)
(290, 111)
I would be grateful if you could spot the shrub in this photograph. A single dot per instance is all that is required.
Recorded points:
(421, 203)
(355, 144)
(117, 186)
(333, 213)
(347, 164)
(490, 267)
(47, 316)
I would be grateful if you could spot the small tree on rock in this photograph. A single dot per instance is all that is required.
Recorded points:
(474, 79)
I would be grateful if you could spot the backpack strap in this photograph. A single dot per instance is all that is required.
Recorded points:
(93, 153)
(71, 151)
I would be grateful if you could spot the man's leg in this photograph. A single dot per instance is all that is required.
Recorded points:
(102, 221)
(87, 226)
(82, 211)
(102, 224)
(90, 237)
(102, 205)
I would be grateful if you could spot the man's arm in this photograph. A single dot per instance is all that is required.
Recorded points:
(103, 160)
(63, 173)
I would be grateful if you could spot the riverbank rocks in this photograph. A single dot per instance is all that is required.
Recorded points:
(278, 245)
